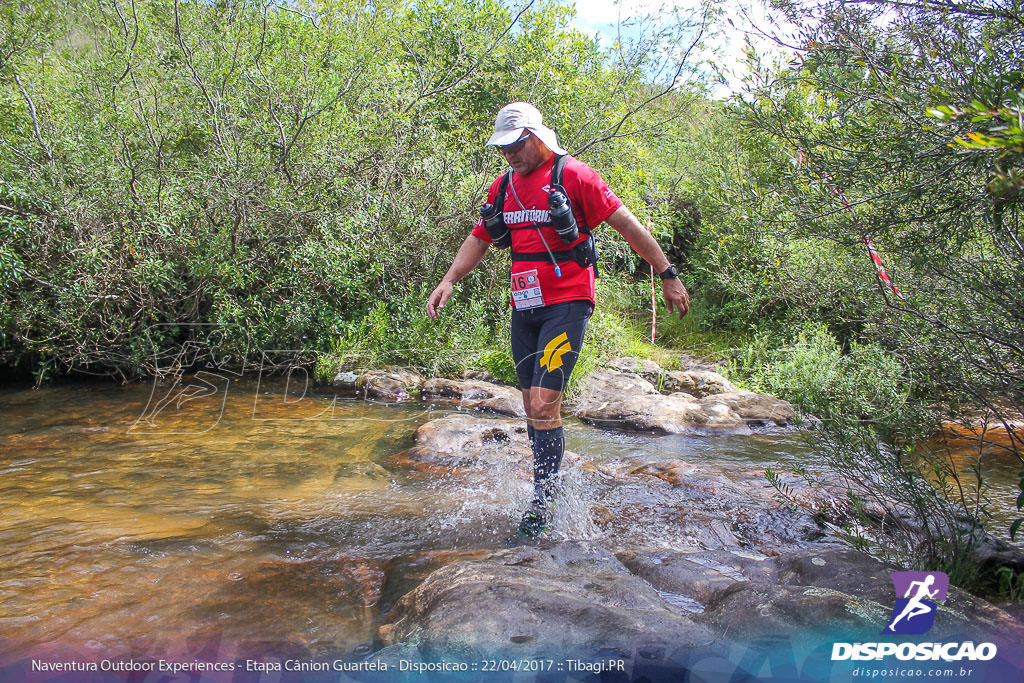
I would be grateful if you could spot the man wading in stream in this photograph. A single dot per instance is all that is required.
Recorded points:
(553, 271)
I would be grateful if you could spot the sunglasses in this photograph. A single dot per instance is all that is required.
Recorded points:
(515, 146)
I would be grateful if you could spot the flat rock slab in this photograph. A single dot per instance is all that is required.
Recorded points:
(701, 575)
(699, 383)
(475, 394)
(575, 599)
(392, 384)
(571, 598)
(628, 401)
(405, 572)
(471, 443)
(724, 505)
(735, 483)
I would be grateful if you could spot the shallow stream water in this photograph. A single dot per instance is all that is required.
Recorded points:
(144, 521)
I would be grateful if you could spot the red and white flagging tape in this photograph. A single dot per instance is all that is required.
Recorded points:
(872, 252)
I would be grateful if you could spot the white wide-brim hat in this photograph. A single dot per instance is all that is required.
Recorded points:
(514, 118)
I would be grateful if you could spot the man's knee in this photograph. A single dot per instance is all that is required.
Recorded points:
(544, 404)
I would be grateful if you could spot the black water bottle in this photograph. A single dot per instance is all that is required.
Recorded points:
(494, 224)
(562, 218)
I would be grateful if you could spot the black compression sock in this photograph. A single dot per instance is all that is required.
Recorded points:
(531, 434)
(548, 447)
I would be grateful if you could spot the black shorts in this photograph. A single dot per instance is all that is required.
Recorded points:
(546, 342)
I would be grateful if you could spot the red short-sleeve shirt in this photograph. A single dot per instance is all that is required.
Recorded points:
(592, 202)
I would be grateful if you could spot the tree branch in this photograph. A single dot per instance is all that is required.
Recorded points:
(35, 120)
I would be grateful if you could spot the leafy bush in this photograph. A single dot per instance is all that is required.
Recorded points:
(864, 384)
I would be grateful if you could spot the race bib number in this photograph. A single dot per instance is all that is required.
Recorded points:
(526, 290)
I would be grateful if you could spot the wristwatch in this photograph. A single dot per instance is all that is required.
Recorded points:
(670, 273)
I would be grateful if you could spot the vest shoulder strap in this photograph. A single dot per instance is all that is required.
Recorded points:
(499, 199)
(557, 168)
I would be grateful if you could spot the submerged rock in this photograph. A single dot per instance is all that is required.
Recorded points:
(333, 593)
(475, 394)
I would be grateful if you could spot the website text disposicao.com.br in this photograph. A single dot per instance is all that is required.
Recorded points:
(911, 673)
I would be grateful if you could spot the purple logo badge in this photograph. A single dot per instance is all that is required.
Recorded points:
(914, 611)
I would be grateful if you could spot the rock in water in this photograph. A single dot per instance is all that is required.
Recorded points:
(569, 599)
(627, 401)
(390, 384)
(757, 410)
(393, 384)
(462, 443)
(475, 394)
(623, 401)
(699, 383)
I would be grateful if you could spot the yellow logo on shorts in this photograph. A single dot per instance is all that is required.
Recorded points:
(553, 352)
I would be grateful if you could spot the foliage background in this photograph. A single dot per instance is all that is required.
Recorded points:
(298, 174)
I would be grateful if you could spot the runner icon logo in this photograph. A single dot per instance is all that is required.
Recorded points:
(914, 612)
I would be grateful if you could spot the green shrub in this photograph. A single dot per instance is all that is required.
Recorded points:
(864, 384)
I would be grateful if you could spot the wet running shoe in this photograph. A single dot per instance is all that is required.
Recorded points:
(534, 522)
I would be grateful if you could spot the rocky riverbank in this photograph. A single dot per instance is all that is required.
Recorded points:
(743, 562)
(630, 394)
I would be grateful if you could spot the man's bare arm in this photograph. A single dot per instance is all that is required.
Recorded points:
(470, 254)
